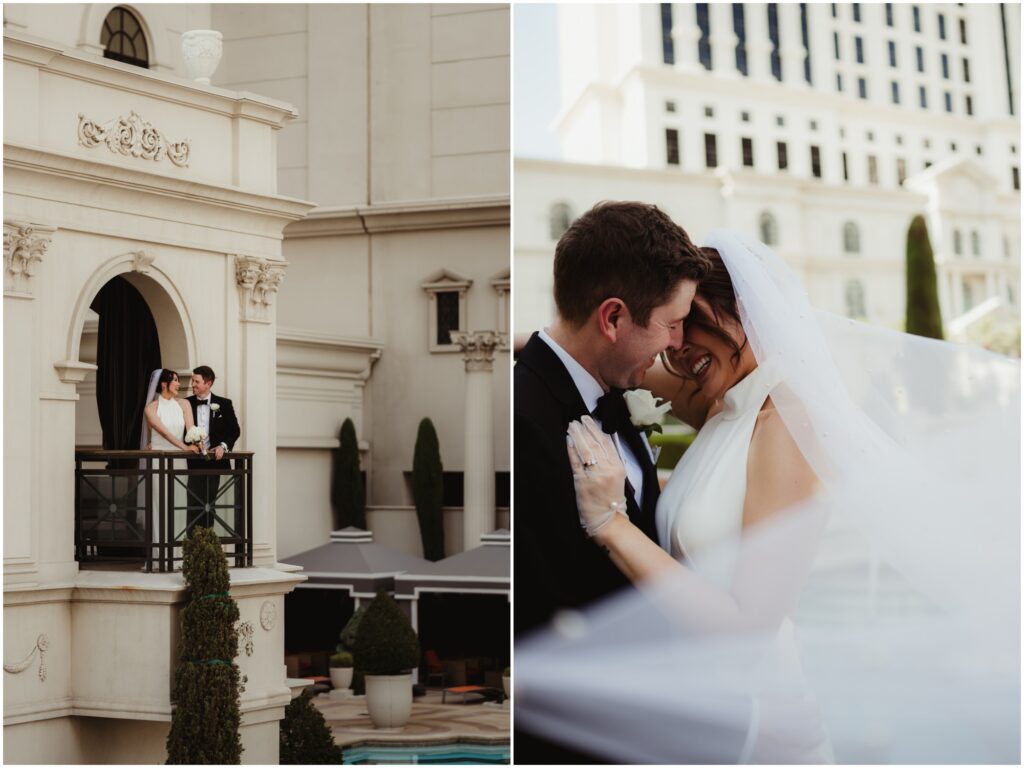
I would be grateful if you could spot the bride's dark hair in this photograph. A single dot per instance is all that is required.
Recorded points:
(166, 377)
(716, 289)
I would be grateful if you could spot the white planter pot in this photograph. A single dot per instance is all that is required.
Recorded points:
(506, 683)
(389, 699)
(201, 50)
(341, 677)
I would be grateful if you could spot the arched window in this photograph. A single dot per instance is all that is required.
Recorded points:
(769, 229)
(123, 39)
(559, 219)
(855, 299)
(851, 238)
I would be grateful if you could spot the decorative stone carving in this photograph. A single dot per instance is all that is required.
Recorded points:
(268, 615)
(142, 261)
(133, 137)
(245, 632)
(258, 280)
(478, 348)
(24, 247)
(201, 50)
(42, 643)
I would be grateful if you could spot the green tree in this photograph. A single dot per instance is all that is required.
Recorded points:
(386, 643)
(923, 315)
(204, 726)
(428, 490)
(305, 737)
(348, 498)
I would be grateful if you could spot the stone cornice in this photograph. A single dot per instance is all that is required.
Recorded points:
(108, 73)
(315, 354)
(406, 216)
(148, 182)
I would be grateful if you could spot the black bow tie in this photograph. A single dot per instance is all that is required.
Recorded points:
(202, 402)
(612, 412)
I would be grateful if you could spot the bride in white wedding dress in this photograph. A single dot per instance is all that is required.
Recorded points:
(838, 575)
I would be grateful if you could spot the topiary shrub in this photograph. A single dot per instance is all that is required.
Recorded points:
(204, 725)
(348, 643)
(386, 643)
(428, 490)
(348, 499)
(341, 660)
(305, 737)
(923, 315)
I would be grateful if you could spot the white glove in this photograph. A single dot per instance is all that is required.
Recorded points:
(598, 474)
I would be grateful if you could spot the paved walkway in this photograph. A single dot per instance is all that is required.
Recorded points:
(431, 721)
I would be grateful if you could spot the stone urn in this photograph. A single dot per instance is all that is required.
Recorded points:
(389, 699)
(341, 678)
(201, 50)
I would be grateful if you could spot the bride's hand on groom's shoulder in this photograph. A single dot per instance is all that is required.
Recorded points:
(598, 474)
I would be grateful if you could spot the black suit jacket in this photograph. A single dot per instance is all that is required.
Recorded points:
(557, 566)
(223, 426)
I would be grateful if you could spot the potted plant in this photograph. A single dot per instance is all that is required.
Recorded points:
(387, 650)
(506, 681)
(341, 670)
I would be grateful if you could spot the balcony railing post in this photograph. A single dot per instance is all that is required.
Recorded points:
(248, 510)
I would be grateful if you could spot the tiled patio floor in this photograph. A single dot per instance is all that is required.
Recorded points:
(431, 721)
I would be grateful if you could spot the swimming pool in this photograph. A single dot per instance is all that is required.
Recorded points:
(453, 753)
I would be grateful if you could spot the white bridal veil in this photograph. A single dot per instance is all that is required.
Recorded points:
(151, 391)
(883, 616)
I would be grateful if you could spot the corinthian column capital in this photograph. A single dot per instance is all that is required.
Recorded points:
(478, 348)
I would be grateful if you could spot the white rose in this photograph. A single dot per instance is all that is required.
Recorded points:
(214, 407)
(643, 407)
(195, 435)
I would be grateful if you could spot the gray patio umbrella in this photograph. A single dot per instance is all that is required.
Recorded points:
(484, 569)
(353, 562)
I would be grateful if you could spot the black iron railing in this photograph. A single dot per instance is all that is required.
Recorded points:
(139, 506)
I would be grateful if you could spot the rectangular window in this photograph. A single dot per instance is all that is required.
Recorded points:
(975, 243)
(1015, 171)
(704, 43)
(895, 92)
(839, 82)
(917, 19)
(967, 71)
(835, 43)
(739, 28)
(942, 27)
(862, 87)
(672, 146)
(709, 111)
(668, 54)
(807, 41)
(948, 98)
(858, 44)
(968, 105)
(816, 162)
(901, 170)
(963, 31)
(780, 151)
(892, 53)
(670, 106)
(835, 11)
(710, 150)
(923, 96)
(888, 15)
(846, 168)
(748, 152)
(872, 169)
(920, 58)
(856, 11)
(773, 35)
(944, 60)
(447, 316)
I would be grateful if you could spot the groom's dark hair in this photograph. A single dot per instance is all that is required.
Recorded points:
(629, 250)
(205, 371)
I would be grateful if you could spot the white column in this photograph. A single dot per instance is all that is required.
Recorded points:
(723, 38)
(478, 506)
(791, 44)
(759, 44)
(685, 36)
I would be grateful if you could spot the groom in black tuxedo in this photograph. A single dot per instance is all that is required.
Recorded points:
(625, 275)
(217, 416)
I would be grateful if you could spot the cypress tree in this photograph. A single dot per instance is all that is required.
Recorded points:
(305, 737)
(204, 726)
(923, 315)
(347, 496)
(428, 490)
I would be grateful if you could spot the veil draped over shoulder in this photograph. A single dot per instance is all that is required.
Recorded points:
(145, 436)
(898, 583)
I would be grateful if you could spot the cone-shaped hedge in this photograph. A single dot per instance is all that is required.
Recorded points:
(428, 490)
(386, 643)
(923, 315)
(348, 498)
(204, 726)
(305, 737)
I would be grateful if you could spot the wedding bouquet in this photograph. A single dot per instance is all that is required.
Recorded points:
(197, 435)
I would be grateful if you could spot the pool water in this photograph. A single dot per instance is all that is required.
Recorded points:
(421, 754)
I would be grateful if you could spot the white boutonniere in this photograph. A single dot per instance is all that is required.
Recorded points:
(644, 412)
(214, 407)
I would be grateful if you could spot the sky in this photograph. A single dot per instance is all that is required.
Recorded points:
(536, 80)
